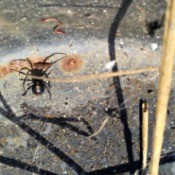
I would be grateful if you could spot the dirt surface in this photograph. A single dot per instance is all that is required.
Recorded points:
(39, 135)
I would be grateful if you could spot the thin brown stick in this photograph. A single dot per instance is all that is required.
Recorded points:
(164, 86)
(96, 76)
(145, 116)
(100, 129)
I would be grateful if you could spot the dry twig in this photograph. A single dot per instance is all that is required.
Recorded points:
(100, 129)
(145, 116)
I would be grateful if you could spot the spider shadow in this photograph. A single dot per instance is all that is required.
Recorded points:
(119, 93)
(63, 123)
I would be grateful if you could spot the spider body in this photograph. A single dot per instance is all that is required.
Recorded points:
(39, 69)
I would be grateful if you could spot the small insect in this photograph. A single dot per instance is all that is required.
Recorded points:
(39, 69)
(58, 28)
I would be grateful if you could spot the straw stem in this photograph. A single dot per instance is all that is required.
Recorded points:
(164, 86)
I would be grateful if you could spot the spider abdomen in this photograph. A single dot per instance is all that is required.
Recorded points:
(38, 87)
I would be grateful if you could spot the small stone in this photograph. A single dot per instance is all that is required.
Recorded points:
(154, 46)
(31, 143)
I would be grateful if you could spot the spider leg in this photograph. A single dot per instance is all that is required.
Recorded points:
(25, 68)
(48, 90)
(22, 79)
(26, 79)
(29, 83)
(58, 60)
(17, 60)
(25, 92)
(27, 59)
(53, 55)
(19, 71)
(30, 63)
(49, 84)
(47, 76)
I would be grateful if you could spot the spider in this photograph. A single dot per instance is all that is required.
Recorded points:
(39, 69)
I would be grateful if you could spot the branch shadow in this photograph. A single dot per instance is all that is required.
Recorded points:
(119, 94)
(122, 168)
(8, 113)
(18, 164)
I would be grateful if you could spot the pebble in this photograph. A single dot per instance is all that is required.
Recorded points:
(154, 46)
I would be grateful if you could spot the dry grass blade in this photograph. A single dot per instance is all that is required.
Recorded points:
(164, 86)
(96, 76)
(100, 129)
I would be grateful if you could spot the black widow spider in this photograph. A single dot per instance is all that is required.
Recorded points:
(38, 69)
